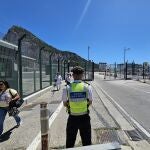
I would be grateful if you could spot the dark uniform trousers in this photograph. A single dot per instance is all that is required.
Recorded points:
(83, 124)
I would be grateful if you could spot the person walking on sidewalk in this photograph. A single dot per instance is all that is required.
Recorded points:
(68, 79)
(58, 80)
(5, 99)
(76, 98)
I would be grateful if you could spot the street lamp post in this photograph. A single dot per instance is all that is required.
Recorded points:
(125, 49)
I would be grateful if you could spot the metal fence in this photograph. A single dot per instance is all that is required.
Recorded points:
(32, 73)
(128, 71)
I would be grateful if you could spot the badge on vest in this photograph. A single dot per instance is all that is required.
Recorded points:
(74, 95)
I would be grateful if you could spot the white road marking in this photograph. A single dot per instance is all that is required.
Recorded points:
(133, 120)
(37, 139)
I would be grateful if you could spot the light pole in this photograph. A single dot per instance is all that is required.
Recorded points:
(125, 49)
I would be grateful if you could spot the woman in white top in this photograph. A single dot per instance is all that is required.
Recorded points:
(5, 98)
(58, 80)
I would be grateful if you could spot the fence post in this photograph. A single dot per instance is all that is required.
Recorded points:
(50, 65)
(58, 61)
(44, 117)
(40, 65)
(34, 76)
(144, 72)
(68, 66)
(64, 68)
(85, 69)
(126, 71)
(115, 71)
(20, 63)
(92, 70)
(138, 73)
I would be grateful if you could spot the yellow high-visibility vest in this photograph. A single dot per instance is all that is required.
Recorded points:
(78, 98)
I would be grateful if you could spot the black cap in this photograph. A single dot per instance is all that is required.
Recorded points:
(77, 70)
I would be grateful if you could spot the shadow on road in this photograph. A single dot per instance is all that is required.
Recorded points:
(5, 136)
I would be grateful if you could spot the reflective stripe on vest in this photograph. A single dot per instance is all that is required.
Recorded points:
(77, 95)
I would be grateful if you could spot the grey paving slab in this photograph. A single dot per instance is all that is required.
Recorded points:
(20, 138)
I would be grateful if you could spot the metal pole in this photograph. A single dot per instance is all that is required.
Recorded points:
(20, 64)
(34, 75)
(120, 71)
(88, 61)
(148, 72)
(126, 71)
(58, 65)
(93, 70)
(50, 65)
(68, 66)
(143, 72)
(64, 68)
(124, 63)
(85, 69)
(61, 64)
(40, 66)
(88, 52)
(44, 117)
(138, 72)
(115, 71)
(125, 49)
(133, 69)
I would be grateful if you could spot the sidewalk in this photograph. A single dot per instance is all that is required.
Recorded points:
(108, 125)
(20, 138)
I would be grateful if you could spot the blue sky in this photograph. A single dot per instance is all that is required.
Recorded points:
(107, 26)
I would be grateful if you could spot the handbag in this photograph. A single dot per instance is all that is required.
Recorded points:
(13, 111)
(16, 103)
(19, 102)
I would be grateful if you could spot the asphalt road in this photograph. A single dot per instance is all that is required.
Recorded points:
(132, 96)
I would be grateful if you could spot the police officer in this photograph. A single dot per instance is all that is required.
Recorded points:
(77, 97)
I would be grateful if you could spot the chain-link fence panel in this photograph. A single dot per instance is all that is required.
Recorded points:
(8, 64)
(30, 75)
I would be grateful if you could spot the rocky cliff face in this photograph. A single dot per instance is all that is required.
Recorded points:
(32, 44)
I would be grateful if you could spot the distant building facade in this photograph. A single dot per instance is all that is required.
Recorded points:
(102, 66)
